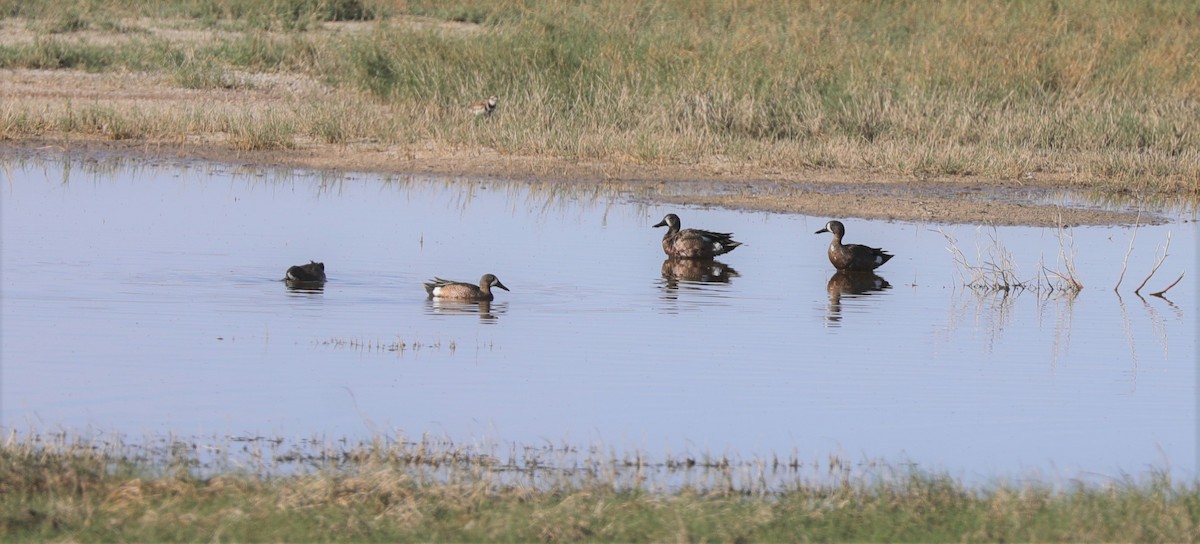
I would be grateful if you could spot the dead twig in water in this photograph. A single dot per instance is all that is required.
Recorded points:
(1066, 278)
(1157, 263)
(1125, 263)
(1066, 255)
(996, 272)
(1161, 294)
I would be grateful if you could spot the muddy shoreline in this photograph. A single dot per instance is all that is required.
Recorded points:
(831, 194)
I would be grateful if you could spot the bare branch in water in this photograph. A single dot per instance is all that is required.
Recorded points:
(1068, 279)
(1164, 291)
(1157, 263)
(1125, 263)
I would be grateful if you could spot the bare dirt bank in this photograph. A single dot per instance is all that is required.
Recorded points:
(833, 194)
(716, 182)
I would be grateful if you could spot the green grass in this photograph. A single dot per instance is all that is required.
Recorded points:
(63, 488)
(51, 54)
(1098, 93)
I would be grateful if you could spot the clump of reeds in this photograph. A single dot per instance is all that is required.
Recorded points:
(1065, 276)
(995, 269)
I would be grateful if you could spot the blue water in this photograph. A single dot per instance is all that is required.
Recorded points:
(144, 298)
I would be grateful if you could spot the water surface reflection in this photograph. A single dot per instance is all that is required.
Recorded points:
(487, 311)
(696, 271)
(851, 285)
(304, 286)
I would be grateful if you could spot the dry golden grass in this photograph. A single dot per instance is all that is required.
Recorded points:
(1097, 94)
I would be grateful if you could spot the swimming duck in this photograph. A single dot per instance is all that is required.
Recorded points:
(457, 290)
(694, 243)
(852, 257)
(313, 272)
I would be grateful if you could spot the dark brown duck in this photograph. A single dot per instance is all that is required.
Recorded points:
(313, 272)
(694, 243)
(852, 257)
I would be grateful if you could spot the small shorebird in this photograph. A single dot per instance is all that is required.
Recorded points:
(694, 243)
(458, 290)
(484, 107)
(852, 257)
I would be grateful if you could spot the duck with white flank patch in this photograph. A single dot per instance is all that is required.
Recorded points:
(694, 243)
(458, 290)
(852, 257)
(313, 272)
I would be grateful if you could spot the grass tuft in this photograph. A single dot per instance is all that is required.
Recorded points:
(265, 131)
(203, 74)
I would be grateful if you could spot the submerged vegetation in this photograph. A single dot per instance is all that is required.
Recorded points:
(1095, 93)
(56, 487)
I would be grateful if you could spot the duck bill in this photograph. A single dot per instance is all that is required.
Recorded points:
(822, 230)
(500, 285)
(662, 223)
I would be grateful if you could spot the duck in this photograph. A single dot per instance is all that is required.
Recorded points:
(313, 272)
(458, 290)
(484, 107)
(694, 243)
(852, 257)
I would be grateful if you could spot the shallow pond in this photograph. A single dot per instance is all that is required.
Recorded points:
(145, 299)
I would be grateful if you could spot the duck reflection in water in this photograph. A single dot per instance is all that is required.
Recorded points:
(487, 310)
(852, 285)
(675, 270)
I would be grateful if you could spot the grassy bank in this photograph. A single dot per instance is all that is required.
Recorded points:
(1101, 94)
(55, 488)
